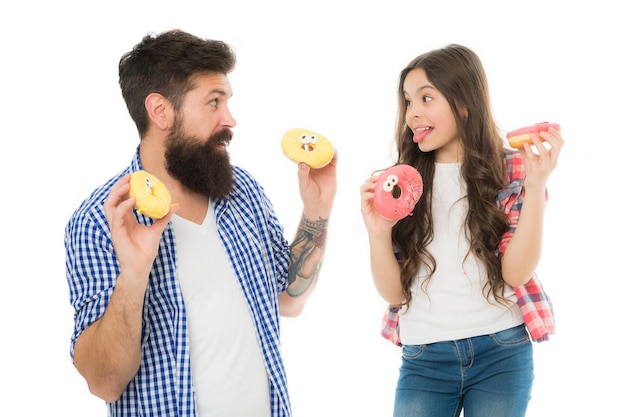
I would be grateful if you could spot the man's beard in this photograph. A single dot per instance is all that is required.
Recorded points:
(200, 165)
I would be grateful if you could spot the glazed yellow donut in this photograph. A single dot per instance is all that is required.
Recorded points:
(151, 196)
(303, 145)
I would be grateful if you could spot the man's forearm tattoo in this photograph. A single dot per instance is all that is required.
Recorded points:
(307, 250)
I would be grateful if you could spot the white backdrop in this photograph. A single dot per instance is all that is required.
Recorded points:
(331, 66)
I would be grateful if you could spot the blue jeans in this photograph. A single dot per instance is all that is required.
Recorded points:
(485, 376)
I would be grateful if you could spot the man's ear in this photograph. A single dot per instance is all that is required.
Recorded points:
(159, 110)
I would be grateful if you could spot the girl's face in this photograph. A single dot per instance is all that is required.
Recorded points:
(430, 118)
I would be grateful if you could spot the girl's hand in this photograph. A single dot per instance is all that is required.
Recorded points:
(540, 164)
(375, 224)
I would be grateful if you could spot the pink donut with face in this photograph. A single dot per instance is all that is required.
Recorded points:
(397, 191)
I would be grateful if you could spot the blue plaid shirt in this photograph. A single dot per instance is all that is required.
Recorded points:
(255, 243)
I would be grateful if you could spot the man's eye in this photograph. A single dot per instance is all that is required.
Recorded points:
(213, 102)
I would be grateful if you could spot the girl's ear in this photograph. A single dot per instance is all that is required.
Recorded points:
(159, 111)
(461, 109)
(463, 112)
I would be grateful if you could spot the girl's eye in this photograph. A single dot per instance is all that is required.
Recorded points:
(407, 103)
(427, 99)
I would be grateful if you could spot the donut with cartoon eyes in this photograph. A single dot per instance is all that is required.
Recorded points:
(312, 148)
(397, 191)
(151, 196)
(518, 137)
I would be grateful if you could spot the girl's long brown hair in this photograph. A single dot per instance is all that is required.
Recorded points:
(458, 74)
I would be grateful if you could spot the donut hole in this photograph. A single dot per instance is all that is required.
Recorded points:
(307, 147)
(396, 192)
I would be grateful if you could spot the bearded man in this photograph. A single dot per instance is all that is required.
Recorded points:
(180, 316)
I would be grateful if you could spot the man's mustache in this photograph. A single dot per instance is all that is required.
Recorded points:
(223, 136)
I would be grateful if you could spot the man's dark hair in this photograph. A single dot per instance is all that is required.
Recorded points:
(167, 64)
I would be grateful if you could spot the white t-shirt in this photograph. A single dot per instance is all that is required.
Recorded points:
(228, 370)
(453, 306)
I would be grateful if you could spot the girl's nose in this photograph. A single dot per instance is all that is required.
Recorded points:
(413, 111)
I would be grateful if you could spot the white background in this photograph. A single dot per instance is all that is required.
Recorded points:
(331, 67)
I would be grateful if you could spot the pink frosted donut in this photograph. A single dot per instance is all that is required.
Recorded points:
(397, 191)
(518, 137)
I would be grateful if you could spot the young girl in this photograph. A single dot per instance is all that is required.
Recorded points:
(459, 272)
